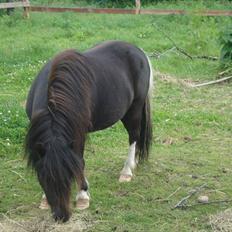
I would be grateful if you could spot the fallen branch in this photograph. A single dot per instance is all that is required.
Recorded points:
(157, 55)
(187, 83)
(213, 82)
(173, 42)
(213, 58)
(181, 50)
(207, 203)
(167, 198)
(182, 202)
(225, 71)
(134, 193)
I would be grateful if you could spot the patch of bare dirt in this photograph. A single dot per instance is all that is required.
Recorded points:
(222, 221)
(174, 80)
(41, 221)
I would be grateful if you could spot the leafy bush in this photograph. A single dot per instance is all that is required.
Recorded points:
(123, 3)
(226, 50)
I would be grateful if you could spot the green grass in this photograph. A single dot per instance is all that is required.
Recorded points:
(203, 116)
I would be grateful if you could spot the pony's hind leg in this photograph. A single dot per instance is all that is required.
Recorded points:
(132, 122)
(129, 165)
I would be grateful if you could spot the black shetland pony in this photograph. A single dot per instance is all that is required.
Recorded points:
(76, 93)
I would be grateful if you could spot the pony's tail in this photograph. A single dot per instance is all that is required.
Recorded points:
(145, 139)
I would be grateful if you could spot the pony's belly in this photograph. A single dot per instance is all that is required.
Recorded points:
(105, 120)
(110, 107)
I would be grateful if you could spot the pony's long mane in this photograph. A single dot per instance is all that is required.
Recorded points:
(63, 122)
(69, 96)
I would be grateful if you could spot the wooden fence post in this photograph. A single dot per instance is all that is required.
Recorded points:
(11, 5)
(138, 6)
(26, 9)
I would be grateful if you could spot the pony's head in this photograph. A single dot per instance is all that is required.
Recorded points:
(55, 174)
(55, 163)
(66, 118)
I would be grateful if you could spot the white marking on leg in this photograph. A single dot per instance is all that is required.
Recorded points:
(87, 182)
(130, 164)
(82, 198)
(82, 195)
(44, 203)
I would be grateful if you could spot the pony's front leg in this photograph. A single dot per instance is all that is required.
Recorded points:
(130, 164)
(44, 203)
(83, 197)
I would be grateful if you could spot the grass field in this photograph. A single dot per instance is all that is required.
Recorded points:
(192, 127)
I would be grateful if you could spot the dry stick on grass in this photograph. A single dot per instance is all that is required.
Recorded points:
(213, 58)
(173, 42)
(225, 71)
(213, 82)
(157, 54)
(181, 203)
(207, 203)
(187, 84)
(167, 198)
(141, 196)
(181, 50)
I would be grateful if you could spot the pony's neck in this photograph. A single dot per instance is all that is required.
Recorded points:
(71, 133)
(69, 96)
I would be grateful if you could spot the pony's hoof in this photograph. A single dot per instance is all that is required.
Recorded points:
(82, 204)
(44, 203)
(125, 178)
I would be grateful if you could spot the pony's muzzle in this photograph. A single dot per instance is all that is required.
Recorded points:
(61, 215)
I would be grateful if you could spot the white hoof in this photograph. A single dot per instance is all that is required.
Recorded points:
(82, 200)
(125, 178)
(82, 204)
(44, 203)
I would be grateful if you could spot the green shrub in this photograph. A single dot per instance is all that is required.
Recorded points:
(226, 50)
(124, 3)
